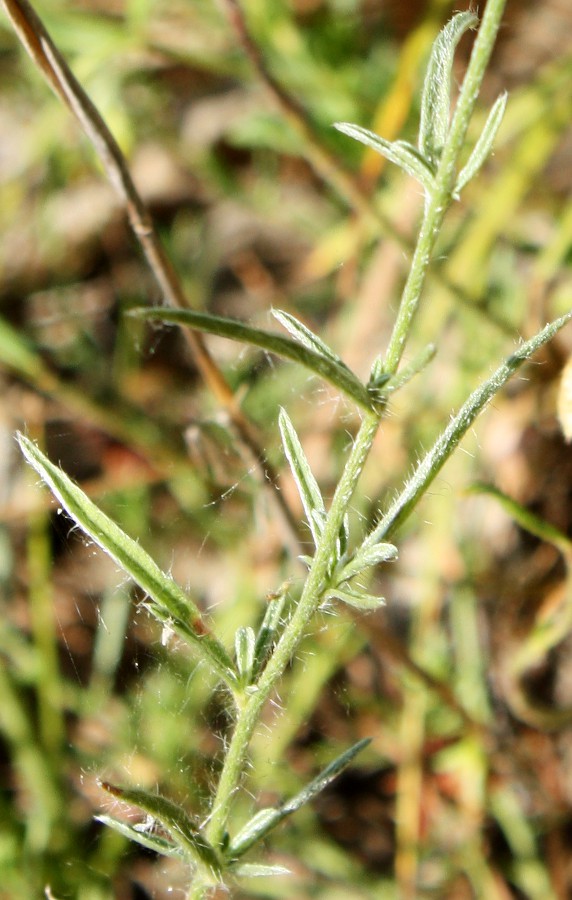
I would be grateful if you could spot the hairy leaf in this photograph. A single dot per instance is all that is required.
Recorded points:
(483, 147)
(326, 366)
(366, 559)
(168, 600)
(144, 838)
(445, 444)
(266, 819)
(355, 597)
(184, 832)
(304, 336)
(436, 97)
(401, 153)
(305, 481)
(244, 646)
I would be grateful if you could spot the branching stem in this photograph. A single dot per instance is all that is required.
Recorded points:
(441, 196)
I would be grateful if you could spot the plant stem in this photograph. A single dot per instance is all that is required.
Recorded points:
(292, 635)
(316, 582)
(440, 198)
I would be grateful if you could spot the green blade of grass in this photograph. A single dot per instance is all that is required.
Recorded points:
(528, 520)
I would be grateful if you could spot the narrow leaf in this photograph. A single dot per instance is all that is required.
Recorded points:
(343, 540)
(528, 520)
(304, 336)
(378, 376)
(436, 97)
(268, 631)
(355, 597)
(366, 559)
(144, 838)
(244, 644)
(254, 830)
(401, 153)
(409, 371)
(256, 870)
(445, 444)
(326, 367)
(483, 147)
(305, 481)
(171, 603)
(266, 819)
(184, 832)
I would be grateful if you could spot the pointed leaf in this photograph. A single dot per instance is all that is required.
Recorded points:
(144, 838)
(401, 153)
(436, 98)
(266, 819)
(256, 870)
(326, 366)
(304, 336)
(355, 597)
(483, 147)
(167, 598)
(378, 377)
(434, 460)
(184, 832)
(244, 644)
(254, 830)
(305, 481)
(409, 371)
(343, 540)
(366, 559)
(268, 631)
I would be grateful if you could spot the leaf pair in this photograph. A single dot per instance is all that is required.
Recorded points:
(422, 162)
(252, 650)
(170, 831)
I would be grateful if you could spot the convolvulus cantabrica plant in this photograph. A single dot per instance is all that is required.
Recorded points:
(338, 570)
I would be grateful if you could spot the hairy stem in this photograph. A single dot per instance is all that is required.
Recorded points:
(294, 632)
(441, 196)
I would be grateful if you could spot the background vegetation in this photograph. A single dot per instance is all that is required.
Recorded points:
(464, 681)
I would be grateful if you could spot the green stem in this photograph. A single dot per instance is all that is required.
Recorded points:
(292, 635)
(316, 582)
(442, 195)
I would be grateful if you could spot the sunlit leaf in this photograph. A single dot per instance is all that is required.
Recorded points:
(171, 604)
(401, 153)
(184, 832)
(366, 559)
(483, 147)
(244, 646)
(448, 440)
(436, 97)
(266, 819)
(355, 597)
(258, 870)
(269, 629)
(303, 476)
(146, 839)
(528, 520)
(326, 366)
(304, 336)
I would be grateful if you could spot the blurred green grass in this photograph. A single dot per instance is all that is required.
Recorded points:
(436, 808)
